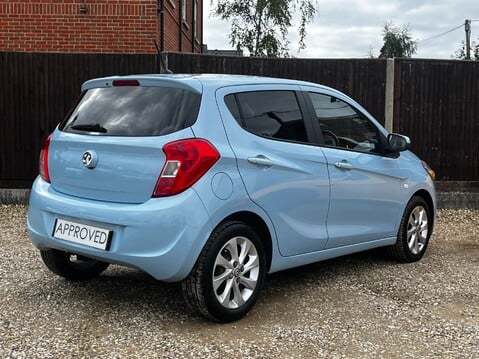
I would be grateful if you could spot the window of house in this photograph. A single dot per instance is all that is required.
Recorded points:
(274, 114)
(343, 126)
(195, 18)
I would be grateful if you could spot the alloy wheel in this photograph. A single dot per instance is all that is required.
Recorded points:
(417, 230)
(235, 272)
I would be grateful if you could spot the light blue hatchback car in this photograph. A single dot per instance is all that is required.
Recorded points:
(216, 180)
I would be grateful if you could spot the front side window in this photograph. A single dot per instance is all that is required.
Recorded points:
(274, 114)
(343, 126)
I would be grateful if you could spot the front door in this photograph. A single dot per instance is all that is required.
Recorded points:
(365, 184)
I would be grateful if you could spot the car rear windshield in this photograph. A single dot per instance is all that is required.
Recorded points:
(133, 111)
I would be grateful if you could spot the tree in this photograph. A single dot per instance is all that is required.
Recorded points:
(398, 42)
(461, 52)
(261, 26)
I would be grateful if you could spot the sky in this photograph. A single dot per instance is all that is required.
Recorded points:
(350, 28)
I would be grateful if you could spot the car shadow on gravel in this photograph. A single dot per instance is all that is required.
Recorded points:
(341, 282)
(124, 290)
(131, 291)
(331, 269)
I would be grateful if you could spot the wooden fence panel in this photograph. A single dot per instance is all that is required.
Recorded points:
(437, 104)
(362, 79)
(36, 92)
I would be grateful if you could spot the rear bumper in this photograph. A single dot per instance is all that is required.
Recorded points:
(162, 236)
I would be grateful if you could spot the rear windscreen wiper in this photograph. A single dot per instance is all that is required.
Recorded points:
(90, 127)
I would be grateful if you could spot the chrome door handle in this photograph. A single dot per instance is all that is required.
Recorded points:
(260, 160)
(344, 165)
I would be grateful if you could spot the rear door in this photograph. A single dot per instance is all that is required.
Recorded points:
(366, 192)
(110, 147)
(282, 170)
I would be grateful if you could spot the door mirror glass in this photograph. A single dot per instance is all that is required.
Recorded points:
(398, 143)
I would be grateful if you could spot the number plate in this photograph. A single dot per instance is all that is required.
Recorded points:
(82, 234)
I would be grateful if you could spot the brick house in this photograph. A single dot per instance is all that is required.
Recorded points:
(101, 26)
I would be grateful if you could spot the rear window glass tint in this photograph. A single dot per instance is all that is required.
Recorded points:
(134, 111)
(230, 102)
(274, 114)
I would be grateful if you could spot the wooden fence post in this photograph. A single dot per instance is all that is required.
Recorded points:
(389, 97)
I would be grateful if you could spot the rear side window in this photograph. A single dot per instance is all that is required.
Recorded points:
(133, 111)
(273, 114)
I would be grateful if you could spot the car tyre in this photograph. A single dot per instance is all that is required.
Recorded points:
(228, 275)
(70, 266)
(414, 232)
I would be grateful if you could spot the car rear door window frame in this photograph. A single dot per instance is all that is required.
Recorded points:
(302, 105)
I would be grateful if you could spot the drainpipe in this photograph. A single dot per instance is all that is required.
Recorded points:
(193, 26)
(162, 28)
(180, 24)
(202, 24)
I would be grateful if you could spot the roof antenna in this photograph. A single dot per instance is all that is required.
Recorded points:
(163, 68)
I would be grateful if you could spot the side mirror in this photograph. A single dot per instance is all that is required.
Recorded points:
(398, 143)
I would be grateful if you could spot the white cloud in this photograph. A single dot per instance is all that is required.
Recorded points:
(347, 28)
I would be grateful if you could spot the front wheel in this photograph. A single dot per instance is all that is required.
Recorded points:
(228, 275)
(71, 266)
(414, 232)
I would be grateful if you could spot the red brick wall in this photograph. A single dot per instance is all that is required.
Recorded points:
(171, 16)
(108, 26)
(174, 22)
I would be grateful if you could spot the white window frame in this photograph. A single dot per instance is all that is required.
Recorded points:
(195, 18)
(184, 10)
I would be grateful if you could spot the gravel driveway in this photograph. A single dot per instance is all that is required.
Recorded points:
(356, 306)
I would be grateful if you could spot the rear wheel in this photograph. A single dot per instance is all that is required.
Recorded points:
(71, 266)
(414, 232)
(228, 275)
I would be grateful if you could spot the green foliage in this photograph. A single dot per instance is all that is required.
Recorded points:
(261, 26)
(398, 42)
(461, 52)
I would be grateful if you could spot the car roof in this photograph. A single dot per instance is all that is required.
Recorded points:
(196, 82)
(219, 80)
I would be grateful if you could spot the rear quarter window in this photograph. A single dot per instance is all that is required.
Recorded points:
(133, 111)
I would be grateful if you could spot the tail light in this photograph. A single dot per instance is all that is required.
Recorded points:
(43, 160)
(186, 162)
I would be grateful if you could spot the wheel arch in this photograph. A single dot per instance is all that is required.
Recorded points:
(259, 225)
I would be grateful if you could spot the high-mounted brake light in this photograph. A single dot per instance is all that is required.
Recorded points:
(126, 83)
(43, 160)
(186, 162)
